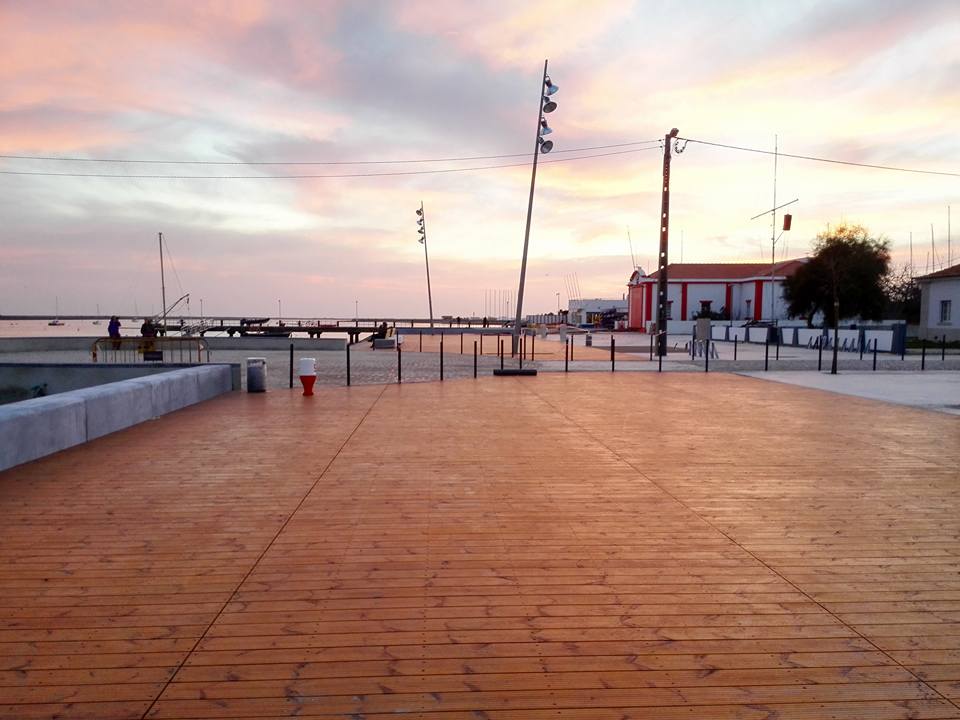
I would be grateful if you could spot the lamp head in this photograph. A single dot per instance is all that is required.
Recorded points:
(421, 231)
(548, 105)
(544, 128)
(550, 87)
(419, 211)
(546, 146)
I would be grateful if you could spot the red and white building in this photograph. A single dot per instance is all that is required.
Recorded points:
(740, 289)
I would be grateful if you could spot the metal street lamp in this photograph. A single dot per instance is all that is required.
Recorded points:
(544, 105)
(422, 230)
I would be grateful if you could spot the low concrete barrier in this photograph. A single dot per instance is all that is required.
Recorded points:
(34, 428)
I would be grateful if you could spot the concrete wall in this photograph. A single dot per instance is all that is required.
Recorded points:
(34, 428)
(64, 377)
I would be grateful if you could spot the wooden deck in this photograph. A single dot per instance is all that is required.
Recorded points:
(583, 546)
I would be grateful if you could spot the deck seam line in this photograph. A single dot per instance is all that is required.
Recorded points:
(600, 441)
(260, 557)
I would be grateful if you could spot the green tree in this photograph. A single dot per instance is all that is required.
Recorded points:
(844, 278)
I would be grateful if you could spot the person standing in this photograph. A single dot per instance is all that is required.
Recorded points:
(113, 330)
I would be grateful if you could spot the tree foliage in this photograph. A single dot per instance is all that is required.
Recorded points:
(903, 295)
(844, 277)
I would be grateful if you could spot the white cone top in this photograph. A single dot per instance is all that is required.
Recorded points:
(308, 366)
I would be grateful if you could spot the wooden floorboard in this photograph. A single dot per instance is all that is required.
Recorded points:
(589, 546)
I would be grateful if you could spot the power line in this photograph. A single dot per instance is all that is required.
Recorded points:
(306, 177)
(312, 162)
(825, 160)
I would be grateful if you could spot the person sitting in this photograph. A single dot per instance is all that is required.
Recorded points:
(148, 329)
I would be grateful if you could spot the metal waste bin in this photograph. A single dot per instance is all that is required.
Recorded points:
(589, 340)
(256, 374)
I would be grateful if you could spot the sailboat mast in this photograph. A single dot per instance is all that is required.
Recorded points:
(163, 286)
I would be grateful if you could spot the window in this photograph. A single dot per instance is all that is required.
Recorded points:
(945, 312)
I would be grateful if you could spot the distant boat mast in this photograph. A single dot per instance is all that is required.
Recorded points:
(163, 286)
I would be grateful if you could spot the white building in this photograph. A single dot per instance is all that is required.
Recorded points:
(940, 303)
(740, 290)
(588, 311)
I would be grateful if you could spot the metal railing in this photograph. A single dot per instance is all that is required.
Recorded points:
(147, 350)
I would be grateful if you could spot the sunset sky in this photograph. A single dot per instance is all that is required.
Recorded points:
(257, 81)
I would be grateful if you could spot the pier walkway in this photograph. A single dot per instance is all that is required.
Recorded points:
(610, 546)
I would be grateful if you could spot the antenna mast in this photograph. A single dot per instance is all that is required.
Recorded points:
(163, 286)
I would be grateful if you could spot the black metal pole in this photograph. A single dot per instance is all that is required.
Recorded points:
(664, 236)
(399, 376)
(735, 338)
(903, 345)
(461, 343)
(923, 354)
(820, 353)
(481, 343)
(291, 363)
(778, 344)
(706, 355)
(522, 349)
(441, 358)
(533, 347)
(613, 345)
(651, 348)
(943, 348)
(566, 355)
(861, 348)
(421, 340)
(875, 341)
(348, 364)
(766, 355)
(501, 353)
(571, 347)
(474, 359)
(660, 359)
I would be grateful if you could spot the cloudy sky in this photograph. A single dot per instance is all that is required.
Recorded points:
(285, 81)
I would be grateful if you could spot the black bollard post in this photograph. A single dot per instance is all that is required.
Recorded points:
(875, 341)
(501, 353)
(461, 343)
(766, 355)
(291, 363)
(533, 347)
(943, 348)
(923, 354)
(903, 346)
(651, 348)
(613, 345)
(348, 364)
(861, 348)
(778, 346)
(566, 355)
(421, 340)
(820, 353)
(571, 347)
(735, 338)
(399, 376)
(706, 355)
(474, 359)
(660, 361)
(441, 358)
(522, 350)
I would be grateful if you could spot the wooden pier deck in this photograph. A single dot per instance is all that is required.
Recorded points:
(584, 546)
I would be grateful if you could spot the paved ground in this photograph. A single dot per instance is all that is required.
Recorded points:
(569, 546)
(938, 391)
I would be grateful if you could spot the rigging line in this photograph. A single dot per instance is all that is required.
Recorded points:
(311, 162)
(307, 177)
(826, 160)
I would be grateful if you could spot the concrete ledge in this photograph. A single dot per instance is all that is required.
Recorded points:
(34, 428)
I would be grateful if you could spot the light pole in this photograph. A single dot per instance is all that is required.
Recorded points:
(422, 222)
(544, 105)
(662, 286)
(774, 239)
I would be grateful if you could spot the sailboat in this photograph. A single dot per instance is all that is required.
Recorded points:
(56, 320)
(97, 321)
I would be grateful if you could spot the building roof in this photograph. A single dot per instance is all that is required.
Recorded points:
(950, 272)
(728, 271)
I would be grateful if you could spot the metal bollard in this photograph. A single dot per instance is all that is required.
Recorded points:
(651, 348)
(735, 348)
(399, 374)
(778, 348)
(875, 341)
(501, 352)
(923, 354)
(820, 353)
(533, 347)
(706, 355)
(421, 340)
(613, 345)
(475, 359)
(461, 343)
(566, 355)
(943, 348)
(291, 365)
(766, 355)
(441, 358)
(348, 364)
(861, 350)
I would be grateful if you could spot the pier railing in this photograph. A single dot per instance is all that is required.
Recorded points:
(158, 349)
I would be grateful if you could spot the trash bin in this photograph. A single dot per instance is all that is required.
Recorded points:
(256, 374)
(589, 340)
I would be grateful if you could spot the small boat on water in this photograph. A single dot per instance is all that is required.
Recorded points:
(56, 320)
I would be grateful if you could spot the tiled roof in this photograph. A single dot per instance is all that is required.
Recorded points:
(952, 271)
(728, 271)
